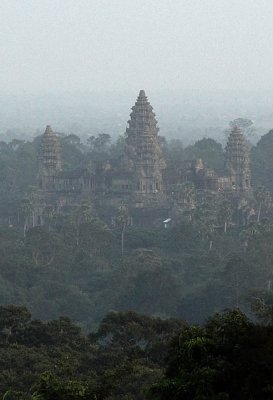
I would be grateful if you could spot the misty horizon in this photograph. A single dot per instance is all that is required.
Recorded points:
(79, 67)
(120, 45)
(188, 115)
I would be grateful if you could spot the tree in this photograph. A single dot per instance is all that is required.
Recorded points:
(262, 162)
(99, 144)
(185, 196)
(80, 214)
(225, 211)
(258, 243)
(235, 277)
(49, 215)
(261, 304)
(26, 209)
(174, 155)
(228, 358)
(263, 199)
(205, 216)
(13, 321)
(122, 221)
(85, 212)
(210, 151)
(249, 233)
(241, 123)
(117, 149)
(43, 246)
(95, 238)
(72, 139)
(246, 125)
(51, 387)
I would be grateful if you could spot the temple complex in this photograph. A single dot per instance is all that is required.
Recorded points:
(137, 181)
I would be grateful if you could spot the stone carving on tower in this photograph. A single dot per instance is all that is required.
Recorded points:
(49, 158)
(144, 156)
(237, 161)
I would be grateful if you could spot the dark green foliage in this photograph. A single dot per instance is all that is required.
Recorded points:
(72, 152)
(228, 358)
(75, 268)
(99, 147)
(54, 360)
(133, 356)
(210, 151)
(262, 162)
(50, 388)
(18, 169)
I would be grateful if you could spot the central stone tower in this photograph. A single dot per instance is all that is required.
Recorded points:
(144, 154)
(237, 161)
(50, 162)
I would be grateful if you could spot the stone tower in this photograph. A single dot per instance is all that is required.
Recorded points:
(237, 161)
(49, 159)
(144, 154)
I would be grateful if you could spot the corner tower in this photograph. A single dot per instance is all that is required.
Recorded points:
(237, 161)
(144, 153)
(49, 159)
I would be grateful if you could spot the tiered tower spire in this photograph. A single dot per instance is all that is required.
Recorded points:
(237, 160)
(50, 161)
(144, 151)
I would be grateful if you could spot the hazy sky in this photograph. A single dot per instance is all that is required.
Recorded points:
(71, 45)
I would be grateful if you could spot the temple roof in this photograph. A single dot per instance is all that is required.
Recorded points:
(236, 138)
(142, 102)
(142, 121)
(49, 137)
(48, 130)
(142, 95)
(236, 131)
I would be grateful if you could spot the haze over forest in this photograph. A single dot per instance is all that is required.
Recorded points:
(79, 65)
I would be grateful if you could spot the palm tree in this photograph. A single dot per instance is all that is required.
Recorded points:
(185, 194)
(26, 209)
(263, 198)
(205, 217)
(225, 213)
(249, 232)
(86, 211)
(122, 221)
(81, 214)
(48, 215)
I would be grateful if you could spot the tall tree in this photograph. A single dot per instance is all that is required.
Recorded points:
(263, 198)
(225, 211)
(26, 209)
(122, 221)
